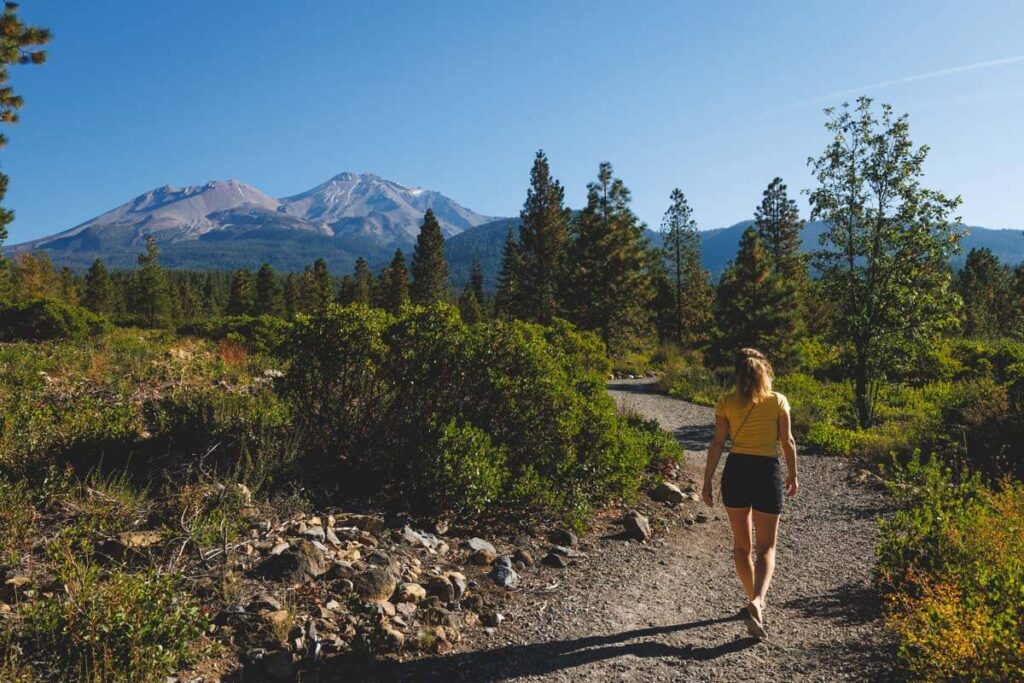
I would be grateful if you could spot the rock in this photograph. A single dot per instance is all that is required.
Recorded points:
(280, 548)
(341, 570)
(375, 585)
(504, 561)
(382, 560)
(439, 616)
(279, 664)
(410, 592)
(458, 581)
(137, 540)
(564, 537)
(701, 518)
(421, 539)
(476, 544)
(393, 638)
(565, 552)
(441, 588)
(331, 537)
(667, 492)
(370, 523)
(524, 556)
(637, 526)
(555, 560)
(311, 563)
(406, 608)
(483, 557)
(505, 577)
(264, 603)
(277, 618)
(492, 619)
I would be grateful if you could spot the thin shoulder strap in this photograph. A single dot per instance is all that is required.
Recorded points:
(737, 432)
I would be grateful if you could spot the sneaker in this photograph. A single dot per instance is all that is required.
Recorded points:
(752, 617)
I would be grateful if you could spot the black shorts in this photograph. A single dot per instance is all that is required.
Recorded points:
(753, 481)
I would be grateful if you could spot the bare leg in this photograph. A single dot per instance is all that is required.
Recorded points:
(739, 520)
(766, 530)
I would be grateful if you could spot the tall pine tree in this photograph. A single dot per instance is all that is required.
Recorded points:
(508, 298)
(394, 284)
(292, 295)
(242, 297)
(750, 306)
(543, 236)
(153, 301)
(778, 225)
(987, 289)
(610, 288)
(471, 303)
(362, 283)
(429, 266)
(689, 292)
(98, 294)
(269, 293)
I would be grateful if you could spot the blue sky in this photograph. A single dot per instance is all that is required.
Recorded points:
(716, 98)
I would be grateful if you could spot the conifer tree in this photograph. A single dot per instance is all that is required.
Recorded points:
(269, 293)
(429, 266)
(395, 284)
(190, 302)
(68, 286)
(292, 295)
(987, 289)
(98, 295)
(507, 299)
(17, 41)
(471, 303)
(778, 226)
(154, 297)
(362, 283)
(242, 298)
(321, 286)
(610, 288)
(689, 288)
(543, 236)
(750, 306)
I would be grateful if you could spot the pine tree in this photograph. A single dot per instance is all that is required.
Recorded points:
(153, 301)
(689, 287)
(292, 295)
(610, 288)
(190, 302)
(750, 306)
(317, 287)
(987, 289)
(394, 284)
(68, 286)
(543, 236)
(269, 293)
(362, 283)
(16, 42)
(429, 266)
(98, 296)
(508, 298)
(471, 303)
(778, 226)
(242, 298)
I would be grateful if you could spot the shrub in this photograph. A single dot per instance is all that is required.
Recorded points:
(47, 319)
(122, 627)
(950, 570)
(17, 519)
(692, 382)
(261, 333)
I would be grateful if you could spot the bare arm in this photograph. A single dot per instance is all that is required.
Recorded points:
(714, 454)
(788, 444)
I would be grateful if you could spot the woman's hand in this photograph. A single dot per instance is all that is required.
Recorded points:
(708, 494)
(792, 486)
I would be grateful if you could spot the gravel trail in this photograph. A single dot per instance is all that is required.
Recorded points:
(668, 610)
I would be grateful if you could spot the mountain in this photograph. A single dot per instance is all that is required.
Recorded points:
(228, 224)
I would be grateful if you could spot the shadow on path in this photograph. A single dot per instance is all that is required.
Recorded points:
(536, 659)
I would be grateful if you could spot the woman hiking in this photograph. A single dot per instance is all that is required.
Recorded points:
(757, 420)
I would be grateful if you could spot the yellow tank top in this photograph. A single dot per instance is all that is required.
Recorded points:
(754, 429)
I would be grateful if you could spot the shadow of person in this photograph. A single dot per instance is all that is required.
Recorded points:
(536, 659)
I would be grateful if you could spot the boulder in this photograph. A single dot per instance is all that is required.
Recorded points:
(441, 588)
(637, 526)
(505, 577)
(564, 537)
(410, 592)
(555, 560)
(523, 556)
(483, 557)
(476, 544)
(375, 584)
(458, 582)
(667, 492)
(298, 564)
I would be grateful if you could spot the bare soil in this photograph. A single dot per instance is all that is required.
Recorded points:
(668, 610)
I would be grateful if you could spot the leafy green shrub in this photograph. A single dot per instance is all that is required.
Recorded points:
(261, 333)
(17, 519)
(692, 382)
(121, 627)
(949, 568)
(443, 415)
(47, 319)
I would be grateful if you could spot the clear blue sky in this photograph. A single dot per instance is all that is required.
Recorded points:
(713, 97)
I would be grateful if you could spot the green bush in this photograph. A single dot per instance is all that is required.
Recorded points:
(47, 319)
(119, 627)
(950, 571)
(692, 382)
(443, 415)
(261, 333)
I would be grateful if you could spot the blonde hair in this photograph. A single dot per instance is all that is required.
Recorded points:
(754, 375)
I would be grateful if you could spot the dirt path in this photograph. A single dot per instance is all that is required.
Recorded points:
(668, 610)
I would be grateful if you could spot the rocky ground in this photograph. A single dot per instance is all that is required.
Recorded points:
(648, 595)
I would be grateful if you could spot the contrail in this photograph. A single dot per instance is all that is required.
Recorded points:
(906, 79)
